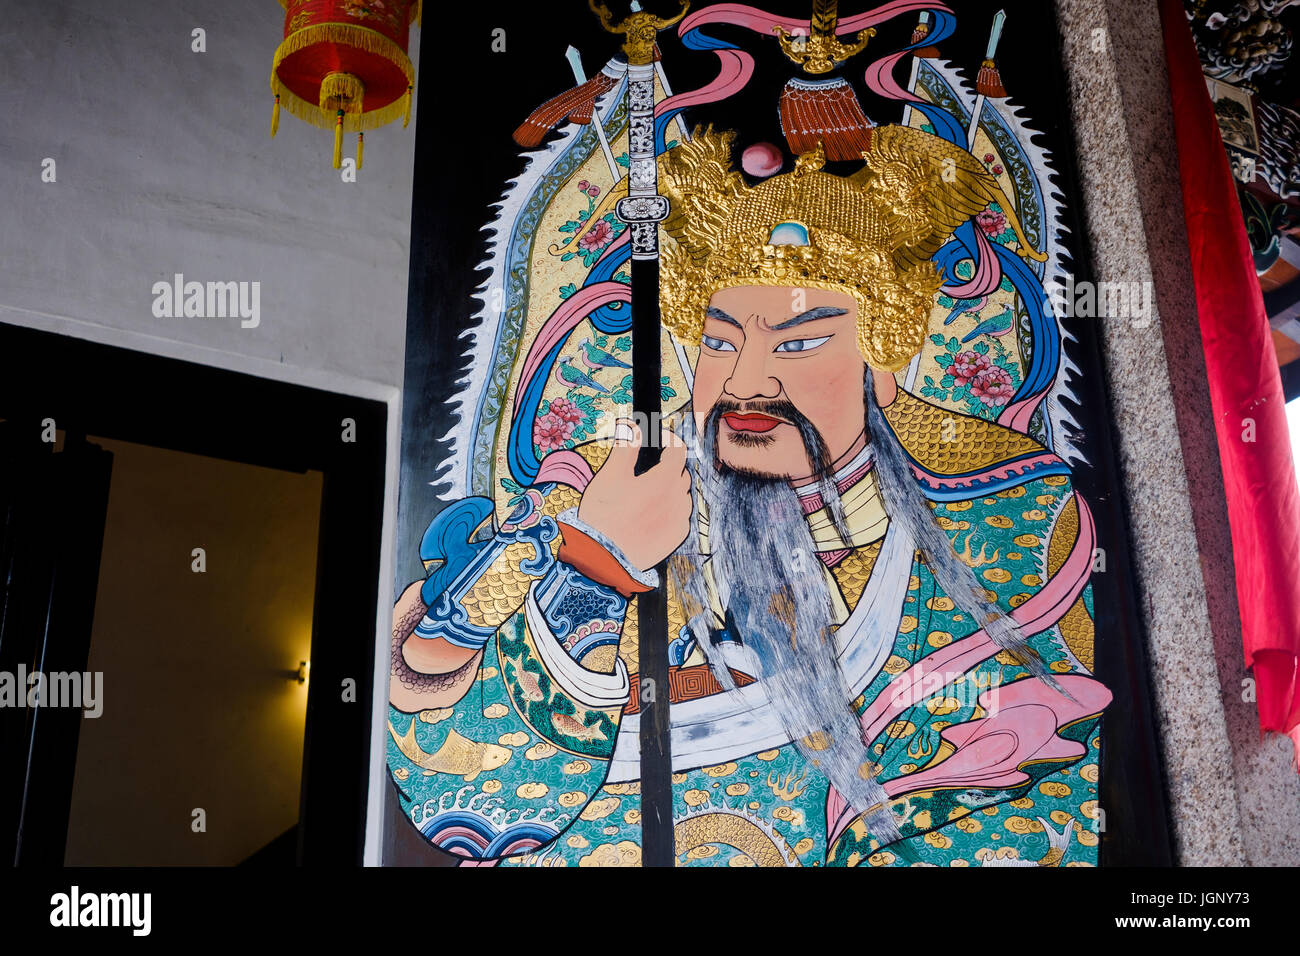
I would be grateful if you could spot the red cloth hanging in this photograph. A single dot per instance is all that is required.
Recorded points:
(1259, 476)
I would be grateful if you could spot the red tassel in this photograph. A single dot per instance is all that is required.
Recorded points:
(825, 110)
(926, 52)
(919, 34)
(989, 81)
(576, 105)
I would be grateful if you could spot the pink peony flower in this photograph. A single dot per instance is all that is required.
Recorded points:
(566, 411)
(550, 432)
(992, 386)
(967, 365)
(583, 184)
(593, 191)
(598, 237)
(988, 157)
(991, 222)
(997, 170)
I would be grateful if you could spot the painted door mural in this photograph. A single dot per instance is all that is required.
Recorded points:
(798, 561)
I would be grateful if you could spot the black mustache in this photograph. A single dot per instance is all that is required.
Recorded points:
(777, 408)
(819, 454)
(814, 444)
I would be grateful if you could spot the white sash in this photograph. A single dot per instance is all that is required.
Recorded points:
(722, 727)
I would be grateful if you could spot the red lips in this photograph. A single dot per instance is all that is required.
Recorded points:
(750, 421)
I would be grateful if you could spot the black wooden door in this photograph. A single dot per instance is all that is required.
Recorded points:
(53, 504)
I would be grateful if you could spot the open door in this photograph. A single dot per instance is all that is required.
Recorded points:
(213, 705)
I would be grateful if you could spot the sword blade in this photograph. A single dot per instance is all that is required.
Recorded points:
(643, 209)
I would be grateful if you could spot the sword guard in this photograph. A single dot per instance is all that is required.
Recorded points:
(633, 209)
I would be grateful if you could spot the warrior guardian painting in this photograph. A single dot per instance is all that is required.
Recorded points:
(759, 541)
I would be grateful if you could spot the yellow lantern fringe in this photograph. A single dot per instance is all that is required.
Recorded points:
(361, 149)
(342, 91)
(338, 142)
(406, 112)
(361, 38)
(275, 117)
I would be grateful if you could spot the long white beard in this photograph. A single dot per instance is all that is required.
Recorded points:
(762, 557)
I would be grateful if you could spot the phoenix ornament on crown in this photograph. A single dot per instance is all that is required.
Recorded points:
(866, 236)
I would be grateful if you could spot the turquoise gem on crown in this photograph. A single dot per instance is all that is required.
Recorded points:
(789, 234)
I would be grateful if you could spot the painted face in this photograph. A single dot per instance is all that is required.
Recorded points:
(767, 351)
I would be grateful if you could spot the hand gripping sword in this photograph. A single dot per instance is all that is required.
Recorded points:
(643, 209)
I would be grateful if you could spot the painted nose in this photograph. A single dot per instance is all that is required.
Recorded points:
(750, 376)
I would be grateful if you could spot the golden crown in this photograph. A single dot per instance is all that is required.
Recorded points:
(870, 235)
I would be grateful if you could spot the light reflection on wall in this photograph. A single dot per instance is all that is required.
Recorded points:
(202, 704)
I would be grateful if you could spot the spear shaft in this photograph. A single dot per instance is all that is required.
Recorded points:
(579, 74)
(995, 35)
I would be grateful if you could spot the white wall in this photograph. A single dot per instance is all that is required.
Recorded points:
(165, 164)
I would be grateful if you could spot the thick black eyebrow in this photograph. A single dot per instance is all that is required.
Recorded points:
(821, 312)
(713, 312)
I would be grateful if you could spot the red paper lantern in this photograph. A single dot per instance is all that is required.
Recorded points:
(344, 64)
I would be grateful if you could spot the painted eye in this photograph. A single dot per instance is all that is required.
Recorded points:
(718, 345)
(801, 345)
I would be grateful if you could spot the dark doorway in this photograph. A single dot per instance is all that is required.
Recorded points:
(288, 483)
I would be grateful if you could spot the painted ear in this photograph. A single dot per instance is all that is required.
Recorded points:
(884, 386)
